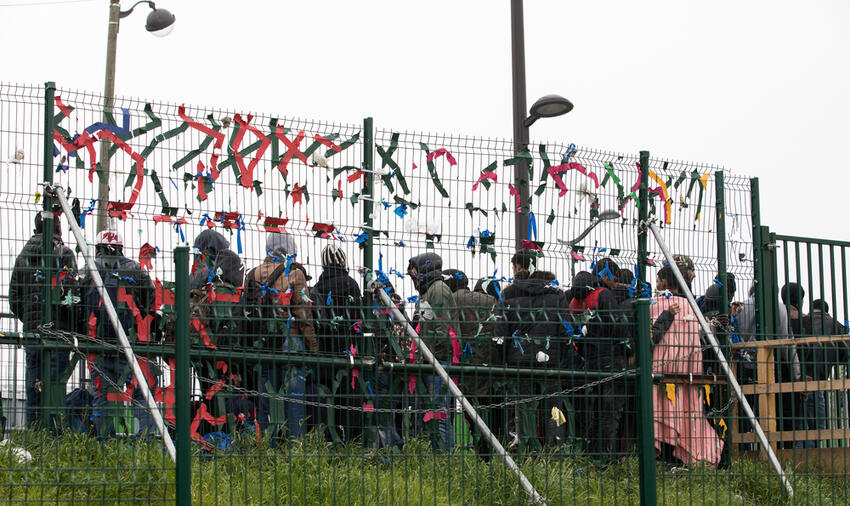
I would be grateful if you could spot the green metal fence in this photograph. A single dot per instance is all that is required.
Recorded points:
(282, 377)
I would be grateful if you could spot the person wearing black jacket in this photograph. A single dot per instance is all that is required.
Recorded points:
(26, 301)
(595, 309)
(132, 294)
(206, 247)
(336, 302)
(532, 327)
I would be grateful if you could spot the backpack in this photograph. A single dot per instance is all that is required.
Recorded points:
(214, 314)
(264, 309)
(111, 272)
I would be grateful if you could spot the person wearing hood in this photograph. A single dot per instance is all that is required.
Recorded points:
(532, 326)
(595, 311)
(476, 310)
(437, 320)
(337, 309)
(280, 326)
(25, 301)
(206, 247)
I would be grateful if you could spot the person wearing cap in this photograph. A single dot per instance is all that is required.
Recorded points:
(437, 319)
(25, 301)
(297, 328)
(336, 307)
(132, 295)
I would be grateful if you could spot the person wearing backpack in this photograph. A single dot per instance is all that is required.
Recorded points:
(437, 321)
(339, 326)
(133, 295)
(278, 318)
(595, 311)
(206, 248)
(215, 324)
(25, 300)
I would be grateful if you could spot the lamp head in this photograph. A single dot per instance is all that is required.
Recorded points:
(160, 22)
(548, 106)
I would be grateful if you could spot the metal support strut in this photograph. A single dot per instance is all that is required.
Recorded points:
(720, 357)
(59, 193)
(534, 496)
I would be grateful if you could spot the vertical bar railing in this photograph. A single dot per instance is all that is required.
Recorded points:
(646, 432)
(722, 395)
(758, 260)
(182, 377)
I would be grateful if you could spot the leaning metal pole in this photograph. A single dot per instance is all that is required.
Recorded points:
(535, 497)
(113, 318)
(720, 357)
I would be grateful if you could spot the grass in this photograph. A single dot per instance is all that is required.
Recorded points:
(74, 468)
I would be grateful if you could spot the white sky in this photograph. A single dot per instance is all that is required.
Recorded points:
(760, 87)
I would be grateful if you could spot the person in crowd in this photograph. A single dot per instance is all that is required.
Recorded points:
(682, 433)
(476, 311)
(595, 309)
(625, 294)
(819, 360)
(532, 326)
(337, 302)
(206, 248)
(26, 301)
(132, 295)
(524, 260)
(686, 267)
(437, 319)
(215, 313)
(795, 411)
(279, 319)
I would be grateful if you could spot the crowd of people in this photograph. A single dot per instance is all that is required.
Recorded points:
(545, 357)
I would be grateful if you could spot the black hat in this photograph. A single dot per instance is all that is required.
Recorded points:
(455, 279)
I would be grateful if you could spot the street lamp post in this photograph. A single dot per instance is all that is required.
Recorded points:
(160, 22)
(545, 107)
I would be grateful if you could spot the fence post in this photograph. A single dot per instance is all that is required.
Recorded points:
(721, 396)
(368, 219)
(758, 259)
(646, 432)
(182, 377)
(46, 407)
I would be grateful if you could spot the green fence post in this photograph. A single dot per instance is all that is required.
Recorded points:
(182, 377)
(758, 259)
(722, 337)
(368, 219)
(646, 432)
(46, 405)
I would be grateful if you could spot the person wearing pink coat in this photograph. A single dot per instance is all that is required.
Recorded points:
(682, 433)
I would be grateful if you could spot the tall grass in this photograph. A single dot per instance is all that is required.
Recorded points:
(74, 468)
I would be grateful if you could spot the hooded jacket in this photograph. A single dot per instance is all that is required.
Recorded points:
(818, 359)
(337, 319)
(209, 243)
(278, 247)
(436, 310)
(532, 321)
(25, 291)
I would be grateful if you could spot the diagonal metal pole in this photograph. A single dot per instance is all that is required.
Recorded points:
(113, 318)
(721, 358)
(534, 496)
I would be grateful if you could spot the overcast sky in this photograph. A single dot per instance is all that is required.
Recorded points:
(759, 87)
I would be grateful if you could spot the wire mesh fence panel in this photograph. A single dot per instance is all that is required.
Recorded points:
(333, 266)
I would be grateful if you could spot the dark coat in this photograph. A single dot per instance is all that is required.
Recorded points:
(25, 296)
(335, 322)
(532, 321)
(817, 359)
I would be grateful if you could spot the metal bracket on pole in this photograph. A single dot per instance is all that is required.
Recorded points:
(534, 496)
(58, 192)
(720, 357)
